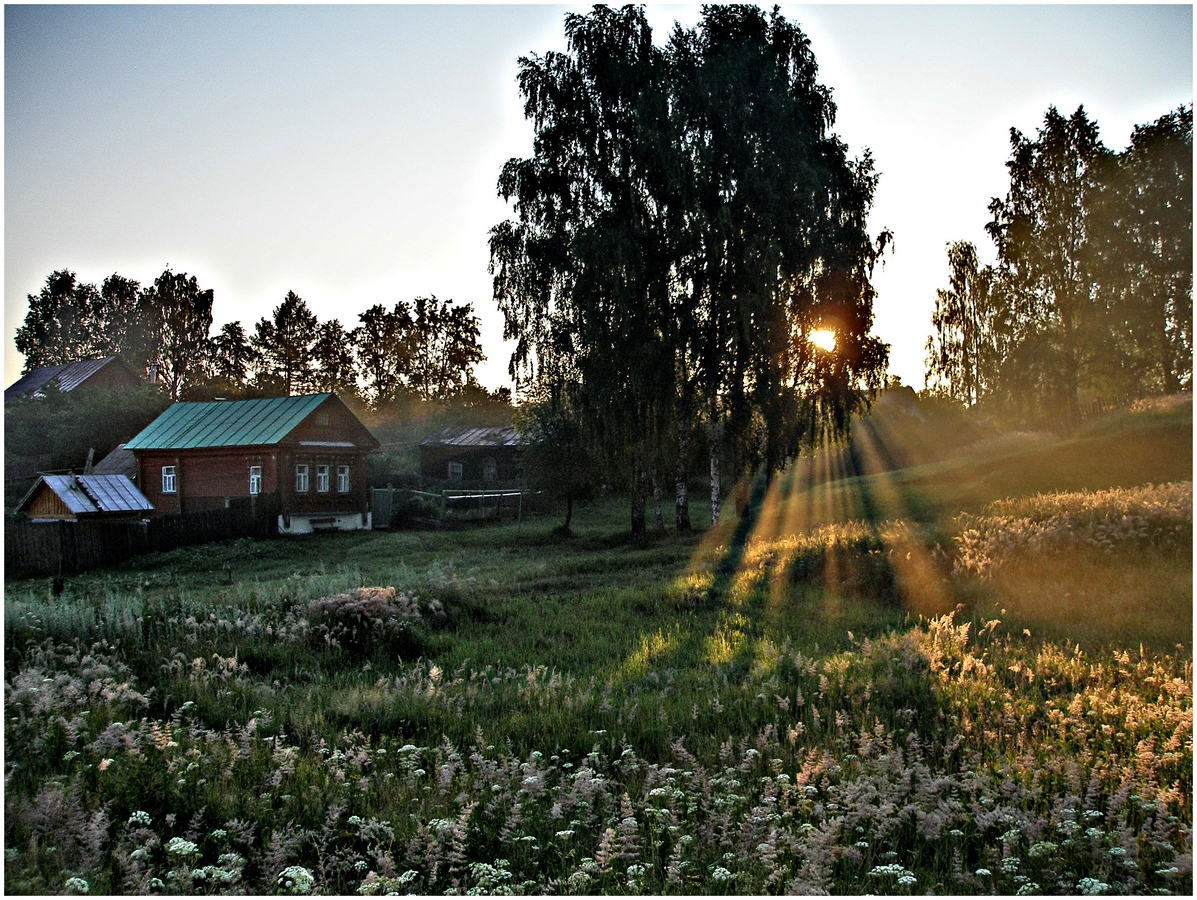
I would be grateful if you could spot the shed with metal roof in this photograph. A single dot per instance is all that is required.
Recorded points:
(75, 497)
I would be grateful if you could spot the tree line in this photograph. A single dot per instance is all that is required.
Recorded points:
(688, 221)
(1092, 292)
(422, 351)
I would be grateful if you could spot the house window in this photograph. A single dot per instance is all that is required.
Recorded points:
(168, 479)
(490, 470)
(322, 479)
(322, 418)
(455, 471)
(342, 479)
(255, 480)
(301, 479)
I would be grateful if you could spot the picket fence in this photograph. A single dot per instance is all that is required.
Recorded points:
(53, 548)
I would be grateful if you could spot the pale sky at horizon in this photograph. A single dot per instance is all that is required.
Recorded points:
(351, 153)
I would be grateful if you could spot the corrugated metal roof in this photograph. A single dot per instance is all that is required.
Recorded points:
(455, 436)
(226, 423)
(77, 373)
(91, 494)
(67, 377)
(114, 493)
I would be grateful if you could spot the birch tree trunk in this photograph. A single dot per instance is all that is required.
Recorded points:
(681, 488)
(715, 447)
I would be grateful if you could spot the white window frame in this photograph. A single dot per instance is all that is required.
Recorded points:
(322, 479)
(170, 483)
(342, 479)
(255, 480)
(455, 471)
(302, 482)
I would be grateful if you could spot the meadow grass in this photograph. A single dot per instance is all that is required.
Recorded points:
(937, 697)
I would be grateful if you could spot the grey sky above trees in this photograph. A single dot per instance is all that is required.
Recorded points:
(395, 120)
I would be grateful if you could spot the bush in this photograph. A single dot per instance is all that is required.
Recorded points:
(370, 620)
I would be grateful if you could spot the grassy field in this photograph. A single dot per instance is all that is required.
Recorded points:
(968, 677)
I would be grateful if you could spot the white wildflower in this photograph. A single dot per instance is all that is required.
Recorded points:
(295, 880)
(181, 847)
(76, 886)
(1092, 886)
(1041, 849)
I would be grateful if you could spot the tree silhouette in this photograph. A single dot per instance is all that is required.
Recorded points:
(771, 239)
(383, 351)
(334, 366)
(284, 344)
(686, 221)
(1093, 286)
(579, 273)
(957, 352)
(1042, 230)
(54, 329)
(1142, 254)
(179, 312)
(444, 344)
(231, 356)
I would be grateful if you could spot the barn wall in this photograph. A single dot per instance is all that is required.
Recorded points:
(435, 459)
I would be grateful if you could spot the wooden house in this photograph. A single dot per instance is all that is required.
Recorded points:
(74, 498)
(111, 372)
(481, 457)
(309, 452)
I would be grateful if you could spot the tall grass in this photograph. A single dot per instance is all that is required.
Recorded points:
(516, 714)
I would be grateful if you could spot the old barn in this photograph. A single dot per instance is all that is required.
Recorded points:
(308, 452)
(482, 457)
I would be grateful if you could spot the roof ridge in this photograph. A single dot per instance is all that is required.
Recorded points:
(88, 490)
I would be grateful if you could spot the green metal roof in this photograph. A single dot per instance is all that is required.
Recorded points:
(226, 423)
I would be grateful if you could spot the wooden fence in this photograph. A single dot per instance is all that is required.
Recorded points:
(401, 507)
(50, 548)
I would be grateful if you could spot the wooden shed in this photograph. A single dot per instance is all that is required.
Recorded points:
(310, 451)
(72, 498)
(475, 456)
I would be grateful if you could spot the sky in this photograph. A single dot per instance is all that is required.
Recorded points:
(351, 153)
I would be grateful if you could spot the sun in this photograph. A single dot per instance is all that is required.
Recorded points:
(824, 339)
